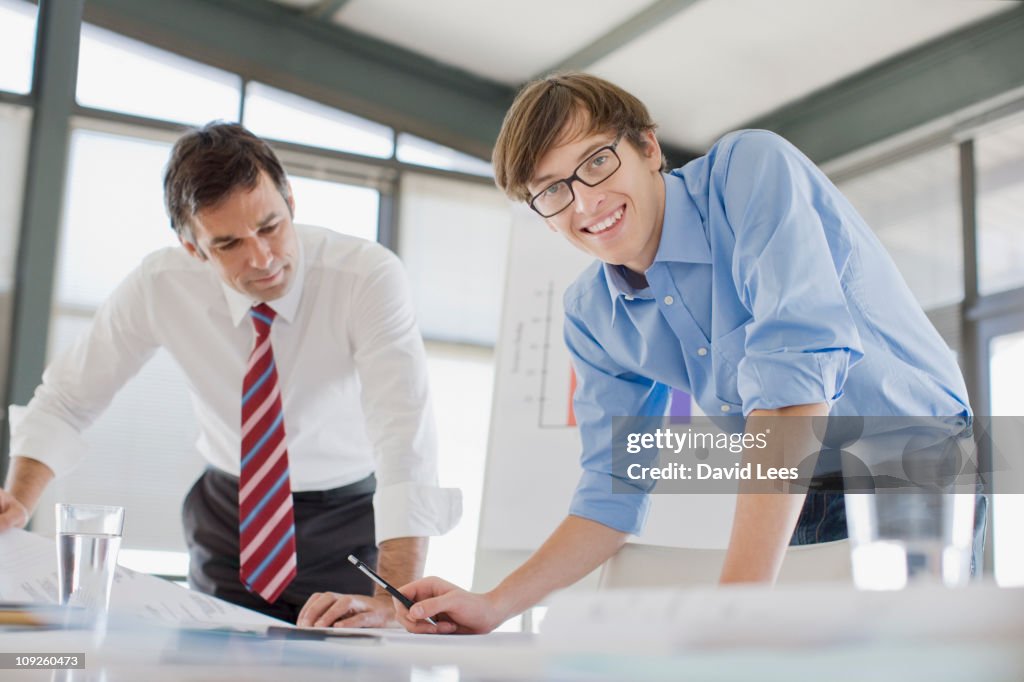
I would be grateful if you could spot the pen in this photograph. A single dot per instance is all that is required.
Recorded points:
(372, 575)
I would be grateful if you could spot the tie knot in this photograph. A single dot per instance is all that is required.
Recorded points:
(262, 314)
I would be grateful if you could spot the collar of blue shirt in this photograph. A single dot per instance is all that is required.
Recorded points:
(683, 240)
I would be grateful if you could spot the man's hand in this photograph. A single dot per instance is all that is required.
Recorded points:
(454, 609)
(13, 514)
(329, 609)
(26, 480)
(577, 547)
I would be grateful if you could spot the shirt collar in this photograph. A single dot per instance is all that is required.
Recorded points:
(618, 286)
(682, 240)
(286, 307)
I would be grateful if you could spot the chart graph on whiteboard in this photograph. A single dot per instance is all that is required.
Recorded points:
(542, 359)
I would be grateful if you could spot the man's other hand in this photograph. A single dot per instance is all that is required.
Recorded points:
(13, 513)
(455, 610)
(329, 609)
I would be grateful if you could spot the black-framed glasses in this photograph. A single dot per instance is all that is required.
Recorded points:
(594, 170)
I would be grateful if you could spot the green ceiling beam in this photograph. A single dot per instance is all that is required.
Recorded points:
(652, 16)
(942, 77)
(325, 9)
(272, 44)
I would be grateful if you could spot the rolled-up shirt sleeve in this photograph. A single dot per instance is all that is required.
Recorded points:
(80, 383)
(790, 251)
(392, 366)
(605, 391)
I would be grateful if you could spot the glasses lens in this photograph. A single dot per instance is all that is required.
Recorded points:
(598, 167)
(553, 199)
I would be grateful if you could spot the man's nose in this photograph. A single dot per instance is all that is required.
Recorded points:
(260, 254)
(587, 199)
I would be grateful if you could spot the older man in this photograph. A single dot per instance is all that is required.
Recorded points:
(309, 379)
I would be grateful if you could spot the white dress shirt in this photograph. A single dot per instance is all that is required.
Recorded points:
(349, 356)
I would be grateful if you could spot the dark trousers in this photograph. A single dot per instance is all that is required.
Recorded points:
(329, 525)
(823, 519)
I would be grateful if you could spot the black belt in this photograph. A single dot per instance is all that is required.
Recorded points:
(364, 486)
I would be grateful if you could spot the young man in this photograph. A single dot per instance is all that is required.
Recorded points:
(744, 278)
(309, 379)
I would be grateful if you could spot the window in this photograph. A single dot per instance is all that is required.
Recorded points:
(17, 45)
(14, 133)
(1006, 368)
(343, 208)
(999, 159)
(461, 385)
(124, 75)
(999, 154)
(112, 218)
(280, 115)
(914, 208)
(142, 453)
(454, 242)
(416, 150)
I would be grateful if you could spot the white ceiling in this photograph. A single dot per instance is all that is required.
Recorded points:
(729, 61)
(505, 41)
(713, 66)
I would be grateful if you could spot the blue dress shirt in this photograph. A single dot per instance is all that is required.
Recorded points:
(767, 290)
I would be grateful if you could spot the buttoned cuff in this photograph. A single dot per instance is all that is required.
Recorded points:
(46, 438)
(594, 500)
(415, 510)
(775, 380)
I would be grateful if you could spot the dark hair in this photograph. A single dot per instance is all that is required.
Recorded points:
(541, 113)
(210, 163)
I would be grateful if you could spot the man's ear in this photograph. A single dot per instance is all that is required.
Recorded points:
(291, 199)
(651, 149)
(191, 247)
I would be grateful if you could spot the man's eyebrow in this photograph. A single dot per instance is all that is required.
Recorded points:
(217, 241)
(579, 159)
(268, 220)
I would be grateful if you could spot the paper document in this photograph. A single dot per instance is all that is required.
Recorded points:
(28, 573)
(661, 621)
(154, 599)
(28, 568)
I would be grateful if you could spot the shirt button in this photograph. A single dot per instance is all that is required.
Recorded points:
(725, 408)
(669, 300)
(702, 352)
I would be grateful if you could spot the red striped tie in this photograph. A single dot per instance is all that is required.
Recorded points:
(266, 522)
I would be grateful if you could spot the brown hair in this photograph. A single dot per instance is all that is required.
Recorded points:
(210, 163)
(542, 114)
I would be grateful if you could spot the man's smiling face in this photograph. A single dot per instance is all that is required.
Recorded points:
(619, 220)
